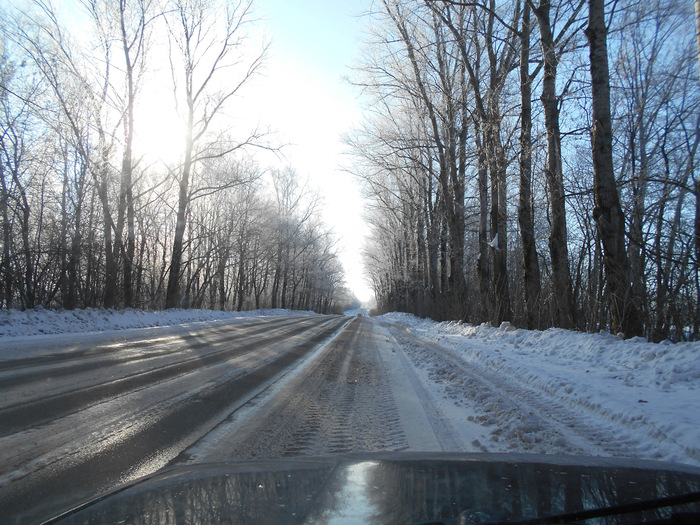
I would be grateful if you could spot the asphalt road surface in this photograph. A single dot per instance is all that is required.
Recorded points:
(78, 422)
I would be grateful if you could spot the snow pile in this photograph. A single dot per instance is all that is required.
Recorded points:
(642, 398)
(15, 323)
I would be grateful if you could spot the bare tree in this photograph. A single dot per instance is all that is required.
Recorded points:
(296, 205)
(205, 41)
(562, 304)
(447, 123)
(531, 273)
(134, 17)
(696, 186)
(608, 212)
(501, 52)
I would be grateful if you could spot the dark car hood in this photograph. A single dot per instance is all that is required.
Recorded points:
(391, 488)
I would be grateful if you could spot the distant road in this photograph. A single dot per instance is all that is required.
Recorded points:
(76, 424)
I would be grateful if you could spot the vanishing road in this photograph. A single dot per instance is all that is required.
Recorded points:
(78, 421)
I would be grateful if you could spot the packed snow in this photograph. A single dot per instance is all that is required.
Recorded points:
(594, 394)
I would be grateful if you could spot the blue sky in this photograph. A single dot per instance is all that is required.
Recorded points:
(321, 34)
(303, 95)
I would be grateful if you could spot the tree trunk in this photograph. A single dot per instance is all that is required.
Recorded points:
(76, 247)
(285, 276)
(531, 267)
(63, 248)
(697, 28)
(697, 224)
(130, 251)
(172, 298)
(276, 283)
(697, 255)
(29, 295)
(126, 193)
(608, 212)
(458, 187)
(241, 271)
(499, 213)
(638, 185)
(483, 269)
(6, 299)
(111, 265)
(221, 271)
(562, 304)
(432, 249)
(660, 331)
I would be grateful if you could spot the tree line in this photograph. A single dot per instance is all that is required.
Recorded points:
(91, 219)
(534, 162)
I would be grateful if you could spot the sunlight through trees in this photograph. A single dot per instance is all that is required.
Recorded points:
(91, 216)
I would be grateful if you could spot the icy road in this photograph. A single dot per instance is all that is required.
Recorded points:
(84, 415)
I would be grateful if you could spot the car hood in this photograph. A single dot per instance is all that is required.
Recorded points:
(392, 488)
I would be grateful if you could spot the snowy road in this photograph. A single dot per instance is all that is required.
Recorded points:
(352, 396)
(78, 419)
(79, 422)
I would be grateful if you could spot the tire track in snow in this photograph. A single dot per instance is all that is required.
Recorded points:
(341, 404)
(443, 430)
(520, 417)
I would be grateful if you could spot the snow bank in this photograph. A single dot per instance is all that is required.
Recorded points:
(635, 362)
(646, 390)
(15, 323)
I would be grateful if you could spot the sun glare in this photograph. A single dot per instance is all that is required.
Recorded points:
(160, 133)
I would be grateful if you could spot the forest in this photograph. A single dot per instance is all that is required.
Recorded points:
(534, 162)
(525, 161)
(105, 202)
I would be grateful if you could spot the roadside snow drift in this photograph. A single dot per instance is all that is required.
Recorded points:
(642, 398)
(41, 321)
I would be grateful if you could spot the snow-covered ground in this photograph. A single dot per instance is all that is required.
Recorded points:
(41, 321)
(558, 391)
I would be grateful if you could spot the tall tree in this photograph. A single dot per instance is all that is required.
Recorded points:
(134, 17)
(448, 127)
(500, 46)
(531, 267)
(562, 299)
(206, 41)
(608, 214)
(696, 186)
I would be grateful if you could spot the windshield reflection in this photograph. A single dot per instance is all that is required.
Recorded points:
(355, 495)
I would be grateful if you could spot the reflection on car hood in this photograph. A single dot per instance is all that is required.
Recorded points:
(390, 488)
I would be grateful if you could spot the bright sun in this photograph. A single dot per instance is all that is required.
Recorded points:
(160, 133)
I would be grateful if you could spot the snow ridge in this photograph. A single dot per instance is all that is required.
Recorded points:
(638, 399)
(15, 323)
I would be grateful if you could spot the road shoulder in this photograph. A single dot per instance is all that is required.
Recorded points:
(427, 427)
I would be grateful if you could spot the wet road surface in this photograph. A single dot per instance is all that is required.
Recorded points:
(76, 424)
